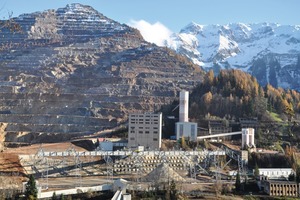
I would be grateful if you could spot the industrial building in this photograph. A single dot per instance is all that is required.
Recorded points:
(276, 173)
(184, 106)
(184, 128)
(281, 188)
(218, 126)
(274, 182)
(145, 130)
(248, 138)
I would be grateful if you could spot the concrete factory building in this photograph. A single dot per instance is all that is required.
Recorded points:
(273, 181)
(145, 130)
(276, 173)
(184, 106)
(248, 138)
(184, 128)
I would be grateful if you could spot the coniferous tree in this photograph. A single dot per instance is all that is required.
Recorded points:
(256, 170)
(62, 197)
(292, 177)
(31, 189)
(298, 174)
(238, 182)
(54, 197)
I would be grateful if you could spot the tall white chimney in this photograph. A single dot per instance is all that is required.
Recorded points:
(184, 106)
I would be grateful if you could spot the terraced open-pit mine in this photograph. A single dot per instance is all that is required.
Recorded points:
(72, 71)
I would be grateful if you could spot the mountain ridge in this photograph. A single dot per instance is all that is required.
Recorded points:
(246, 47)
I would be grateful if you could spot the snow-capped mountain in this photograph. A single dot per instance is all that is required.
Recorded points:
(269, 51)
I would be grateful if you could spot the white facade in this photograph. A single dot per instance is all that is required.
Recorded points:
(145, 130)
(276, 173)
(187, 130)
(248, 137)
(184, 106)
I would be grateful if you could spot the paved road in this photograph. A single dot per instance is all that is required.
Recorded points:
(71, 182)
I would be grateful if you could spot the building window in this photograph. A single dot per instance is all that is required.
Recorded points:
(193, 131)
(132, 138)
(155, 132)
(180, 129)
(154, 139)
(141, 132)
(147, 132)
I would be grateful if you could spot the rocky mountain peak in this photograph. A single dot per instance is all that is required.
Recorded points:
(77, 7)
(72, 72)
(253, 48)
(82, 12)
(192, 28)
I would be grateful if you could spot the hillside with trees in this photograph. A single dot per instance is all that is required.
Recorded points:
(234, 94)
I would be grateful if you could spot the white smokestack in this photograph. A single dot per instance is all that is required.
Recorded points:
(184, 106)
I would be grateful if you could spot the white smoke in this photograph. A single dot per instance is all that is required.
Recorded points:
(155, 33)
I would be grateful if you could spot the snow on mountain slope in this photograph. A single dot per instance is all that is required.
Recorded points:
(269, 51)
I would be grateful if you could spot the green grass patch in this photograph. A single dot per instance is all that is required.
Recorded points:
(275, 117)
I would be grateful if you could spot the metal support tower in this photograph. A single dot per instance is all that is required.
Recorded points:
(78, 168)
(71, 151)
(41, 160)
(138, 166)
(109, 167)
(235, 156)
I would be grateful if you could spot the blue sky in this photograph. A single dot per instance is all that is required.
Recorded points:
(174, 14)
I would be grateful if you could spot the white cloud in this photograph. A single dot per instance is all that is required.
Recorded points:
(155, 33)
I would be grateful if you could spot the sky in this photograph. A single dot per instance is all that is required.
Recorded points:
(164, 17)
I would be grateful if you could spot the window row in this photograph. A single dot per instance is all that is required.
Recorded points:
(133, 122)
(154, 139)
